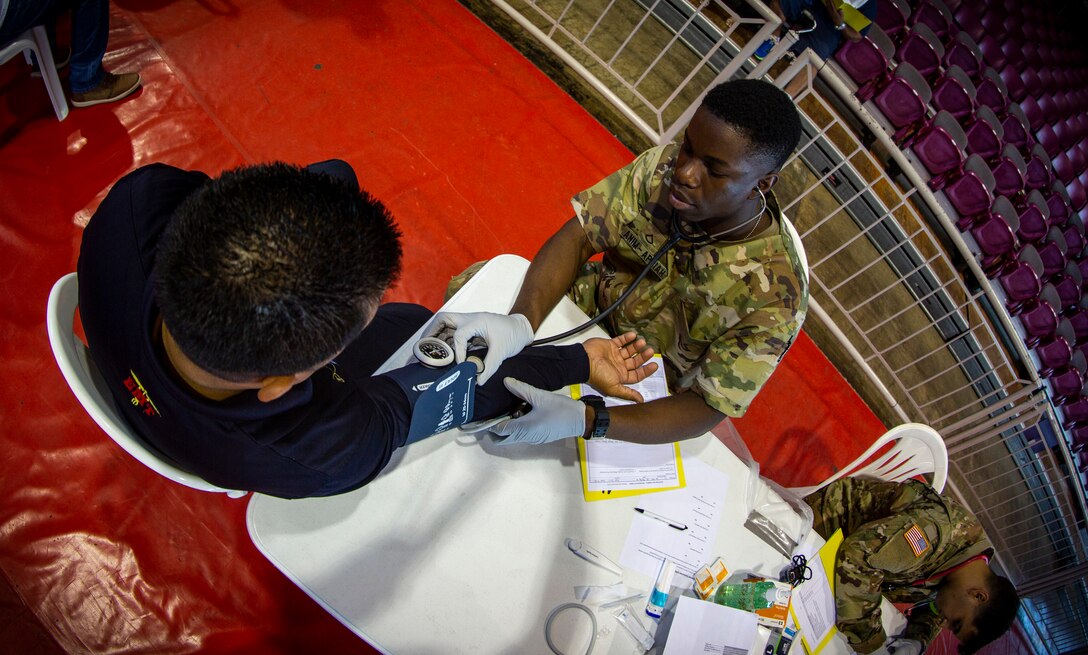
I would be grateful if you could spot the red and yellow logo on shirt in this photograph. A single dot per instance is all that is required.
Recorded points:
(140, 399)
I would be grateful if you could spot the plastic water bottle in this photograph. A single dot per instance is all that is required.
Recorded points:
(748, 596)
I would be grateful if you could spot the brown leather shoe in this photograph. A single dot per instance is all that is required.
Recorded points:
(110, 89)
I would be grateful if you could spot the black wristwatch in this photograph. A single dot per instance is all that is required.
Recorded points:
(600, 416)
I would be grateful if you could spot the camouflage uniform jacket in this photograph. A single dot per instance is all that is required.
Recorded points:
(898, 539)
(722, 314)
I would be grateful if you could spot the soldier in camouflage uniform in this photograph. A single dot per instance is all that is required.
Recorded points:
(909, 543)
(725, 303)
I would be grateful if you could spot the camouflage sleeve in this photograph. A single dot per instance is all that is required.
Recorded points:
(764, 301)
(606, 206)
(924, 627)
(876, 549)
(739, 362)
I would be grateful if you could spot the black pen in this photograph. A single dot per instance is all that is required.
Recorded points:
(669, 522)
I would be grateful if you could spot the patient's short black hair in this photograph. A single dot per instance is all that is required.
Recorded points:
(996, 616)
(763, 113)
(272, 269)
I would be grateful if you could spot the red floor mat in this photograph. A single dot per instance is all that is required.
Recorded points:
(807, 422)
(474, 150)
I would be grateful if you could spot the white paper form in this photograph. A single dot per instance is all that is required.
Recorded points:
(698, 506)
(612, 464)
(813, 602)
(703, 627)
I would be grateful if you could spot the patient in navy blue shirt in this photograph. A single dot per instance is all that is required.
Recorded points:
(238, 323)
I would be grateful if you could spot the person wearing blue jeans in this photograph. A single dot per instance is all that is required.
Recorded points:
(819, 23)
(89, 82)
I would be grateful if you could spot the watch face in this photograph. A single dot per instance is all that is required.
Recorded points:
(600, 426)
(601, 419)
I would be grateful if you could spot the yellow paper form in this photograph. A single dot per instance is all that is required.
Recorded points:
(854, 18)
(617, 469)
(813, 604)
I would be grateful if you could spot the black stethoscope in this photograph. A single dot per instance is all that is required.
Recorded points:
(677, 235)
(436, 352)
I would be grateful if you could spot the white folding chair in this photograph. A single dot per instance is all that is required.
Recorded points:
(35, 40)
(917, 449)
(93, 392)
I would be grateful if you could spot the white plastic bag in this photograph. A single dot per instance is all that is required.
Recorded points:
(776, 515)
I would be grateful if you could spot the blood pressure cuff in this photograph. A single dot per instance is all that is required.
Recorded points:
(447, 397)
(441, 398)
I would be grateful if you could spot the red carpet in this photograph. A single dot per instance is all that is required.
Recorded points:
(807, 422)
(471, 147)
(476, 153)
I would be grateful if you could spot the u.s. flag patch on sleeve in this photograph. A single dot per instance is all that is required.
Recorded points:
(917, 540)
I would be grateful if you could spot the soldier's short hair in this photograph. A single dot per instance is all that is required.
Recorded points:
(996, 616)
(762, 112)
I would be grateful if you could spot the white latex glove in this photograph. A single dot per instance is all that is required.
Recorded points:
(552, 417)
(505, 335)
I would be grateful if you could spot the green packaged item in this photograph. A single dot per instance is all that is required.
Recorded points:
(747, 596)
(769, 600)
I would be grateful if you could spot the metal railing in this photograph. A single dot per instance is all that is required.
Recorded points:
(639, 55)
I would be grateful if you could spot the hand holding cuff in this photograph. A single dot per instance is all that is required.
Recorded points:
(552, 417)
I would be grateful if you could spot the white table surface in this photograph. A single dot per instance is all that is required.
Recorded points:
(459, 545)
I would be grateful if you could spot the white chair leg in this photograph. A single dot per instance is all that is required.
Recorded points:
(49, 72)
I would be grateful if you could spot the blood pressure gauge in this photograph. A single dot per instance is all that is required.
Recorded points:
(433, 352)
(436, 353)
